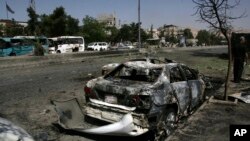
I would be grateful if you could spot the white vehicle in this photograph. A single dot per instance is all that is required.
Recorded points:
(98, 46)
(64, 44)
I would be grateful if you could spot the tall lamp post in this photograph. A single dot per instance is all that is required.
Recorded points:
(139, 24)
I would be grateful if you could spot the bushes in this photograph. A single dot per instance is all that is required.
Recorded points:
(39, 50)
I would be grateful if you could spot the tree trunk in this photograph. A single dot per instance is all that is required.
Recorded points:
(229, 67)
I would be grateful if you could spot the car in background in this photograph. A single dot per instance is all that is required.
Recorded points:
(134, 98)
(123, 46)
(98, 46)
(128, 44)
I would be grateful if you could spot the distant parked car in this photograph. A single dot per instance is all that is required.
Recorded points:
(134, 98)
(98, 46)
(128, 44)
(122, 46)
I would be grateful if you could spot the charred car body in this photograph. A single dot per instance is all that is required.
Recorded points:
(109, 67)
(137, 96)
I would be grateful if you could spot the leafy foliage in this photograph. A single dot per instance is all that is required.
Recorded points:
(207, 38)
(130, 33)
(188, 34)
(56, 24)
(92, 30)
(60, 24)
(32, 22)
(203, 37)
(39, 50)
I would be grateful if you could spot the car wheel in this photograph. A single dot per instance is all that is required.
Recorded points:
(166, 125)
(58, 51)
(12, 54)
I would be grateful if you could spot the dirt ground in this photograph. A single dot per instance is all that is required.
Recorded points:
(36, 114)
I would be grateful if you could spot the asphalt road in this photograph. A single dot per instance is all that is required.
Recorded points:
(25, 92)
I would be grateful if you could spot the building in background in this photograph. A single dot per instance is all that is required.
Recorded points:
(169, 30)
(5, 23)
(109, 20)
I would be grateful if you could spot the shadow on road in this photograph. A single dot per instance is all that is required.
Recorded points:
(220, 55)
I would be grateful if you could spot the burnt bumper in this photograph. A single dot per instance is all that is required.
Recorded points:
(72, 117)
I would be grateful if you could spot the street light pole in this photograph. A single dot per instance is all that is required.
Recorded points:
(139, 24)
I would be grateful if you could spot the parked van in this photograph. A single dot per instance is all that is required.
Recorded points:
(64, 44)
(98, 46)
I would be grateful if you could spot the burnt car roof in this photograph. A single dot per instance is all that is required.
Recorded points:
(143, 64)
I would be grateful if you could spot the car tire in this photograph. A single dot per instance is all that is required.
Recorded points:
(12, 54)
(58, 51)
(167, 124)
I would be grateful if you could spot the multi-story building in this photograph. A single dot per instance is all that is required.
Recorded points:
(108, 19)
(170, 30)
(5, 23)
(155, 33)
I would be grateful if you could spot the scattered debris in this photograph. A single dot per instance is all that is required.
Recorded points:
(11, 132)
(243, 96)
(45, 111)
(216, 101)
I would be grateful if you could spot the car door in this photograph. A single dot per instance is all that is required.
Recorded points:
(195, 86)
(180, 88)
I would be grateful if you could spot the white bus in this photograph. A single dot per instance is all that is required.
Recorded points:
(64, 44)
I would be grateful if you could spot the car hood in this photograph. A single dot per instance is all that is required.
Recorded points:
(119, 86)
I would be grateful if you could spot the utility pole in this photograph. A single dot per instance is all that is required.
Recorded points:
(139, 24)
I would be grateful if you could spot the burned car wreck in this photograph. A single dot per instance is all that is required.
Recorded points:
(137, 96)
(109, 67)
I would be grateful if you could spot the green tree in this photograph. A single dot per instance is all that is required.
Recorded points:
(130, 33)
(125, 33)
(112, 33)
(72, 27)
(215, 39)
(58, 25)
(46, 24)
(32, 22)
(203, 37)
(92, 30)
(188, 34)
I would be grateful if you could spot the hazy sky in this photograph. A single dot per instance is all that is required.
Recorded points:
(155, 12)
